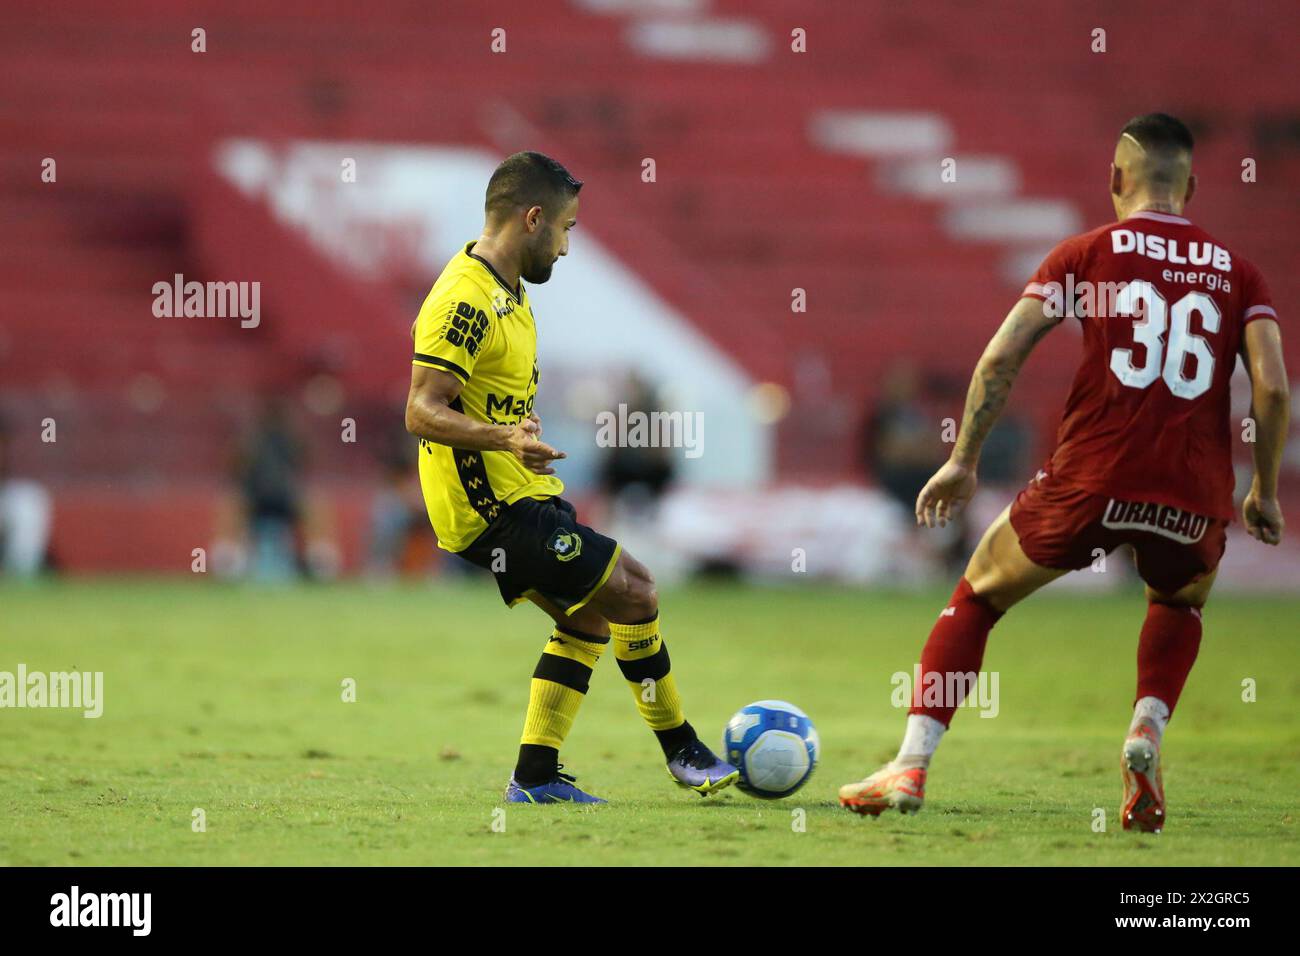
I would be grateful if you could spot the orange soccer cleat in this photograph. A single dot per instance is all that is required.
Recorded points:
(1144, 791)
(902, 788)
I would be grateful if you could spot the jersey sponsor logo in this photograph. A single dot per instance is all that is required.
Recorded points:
(1211, 280)
(1164, 520)
(565, 545)
(1171, 250)
(467, 327)
(502, 303)
(512, 410)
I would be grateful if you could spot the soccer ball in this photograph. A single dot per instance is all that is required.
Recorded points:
(774, 745)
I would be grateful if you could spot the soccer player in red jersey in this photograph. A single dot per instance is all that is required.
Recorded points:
(1143, 454)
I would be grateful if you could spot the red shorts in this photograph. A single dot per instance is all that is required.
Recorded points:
(1065, 528)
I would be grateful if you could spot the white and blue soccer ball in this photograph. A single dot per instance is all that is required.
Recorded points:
(774, 745)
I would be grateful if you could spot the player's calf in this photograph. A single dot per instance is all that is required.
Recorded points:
(629, 602)
(1167, 649)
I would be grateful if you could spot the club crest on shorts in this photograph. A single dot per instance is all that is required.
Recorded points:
(565, 545)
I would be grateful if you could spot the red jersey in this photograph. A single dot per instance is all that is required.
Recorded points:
(1162, 306)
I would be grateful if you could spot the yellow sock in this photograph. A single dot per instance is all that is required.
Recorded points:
(559, 683)
(643, 659)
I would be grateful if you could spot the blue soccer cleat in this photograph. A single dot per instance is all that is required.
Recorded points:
(697, 768)
(558, 790)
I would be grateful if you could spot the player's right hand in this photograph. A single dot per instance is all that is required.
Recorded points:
(536, 455)
(945, 494)
(1262, 517)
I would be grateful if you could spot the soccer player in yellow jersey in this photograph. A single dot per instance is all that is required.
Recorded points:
(493, 497)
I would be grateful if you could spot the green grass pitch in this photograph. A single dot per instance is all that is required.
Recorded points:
(229, 699)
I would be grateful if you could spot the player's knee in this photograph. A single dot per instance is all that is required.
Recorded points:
(630, 593)
(640, 599)
(645, 598)
(989, 585)
(1178, 599)
(1192, 595)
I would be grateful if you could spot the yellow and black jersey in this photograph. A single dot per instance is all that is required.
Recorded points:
(478, 329)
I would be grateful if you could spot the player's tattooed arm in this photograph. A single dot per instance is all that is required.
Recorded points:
(1024, 327)
(430, 415)
(953, 485)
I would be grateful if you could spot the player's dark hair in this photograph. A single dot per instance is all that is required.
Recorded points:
(1160, 132)
(529, 179)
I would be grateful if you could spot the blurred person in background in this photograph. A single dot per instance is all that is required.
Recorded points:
(1006, 452)
(25, 517)
(903, 445)
(287, 533)
(268, 473)
(400, 537)
(635, 479)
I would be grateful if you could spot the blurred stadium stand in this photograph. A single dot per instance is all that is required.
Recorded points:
(776, 171)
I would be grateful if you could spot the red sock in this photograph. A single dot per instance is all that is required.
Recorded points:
(956, 645)
(1171, 636)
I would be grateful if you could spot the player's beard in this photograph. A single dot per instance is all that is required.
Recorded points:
(538, 270)
(537, 274)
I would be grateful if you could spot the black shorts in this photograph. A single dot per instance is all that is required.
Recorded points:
(540, 546)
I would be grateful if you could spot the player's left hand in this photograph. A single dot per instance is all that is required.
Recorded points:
(945, 494)
(1263, 517)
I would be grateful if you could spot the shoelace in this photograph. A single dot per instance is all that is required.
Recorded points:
(696, 755)
(564, 777)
